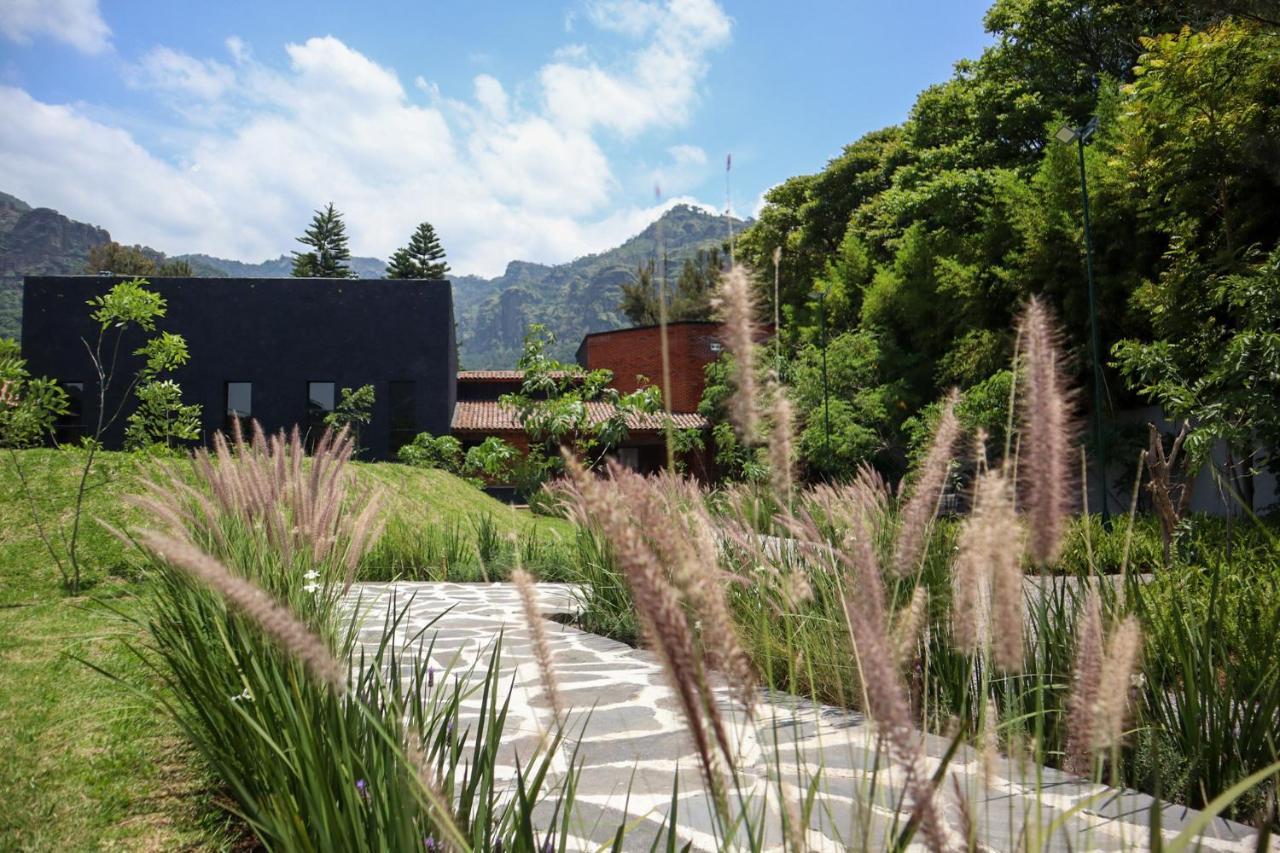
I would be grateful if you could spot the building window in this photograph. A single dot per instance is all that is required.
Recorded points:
(69, 428)
(321, 398)
(629, 458)
(239, 399)
(404, 421)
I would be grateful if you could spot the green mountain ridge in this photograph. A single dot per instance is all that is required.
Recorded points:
(493, 314)
(575, 298)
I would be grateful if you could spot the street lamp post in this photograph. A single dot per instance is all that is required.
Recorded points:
(1080, 135)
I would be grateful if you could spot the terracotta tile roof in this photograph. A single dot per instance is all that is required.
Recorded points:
(492, 416)
(498, 375)
(490, 375)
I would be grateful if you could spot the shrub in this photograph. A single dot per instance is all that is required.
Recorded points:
(431, 451)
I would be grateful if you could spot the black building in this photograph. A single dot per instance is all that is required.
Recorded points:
(275, 349)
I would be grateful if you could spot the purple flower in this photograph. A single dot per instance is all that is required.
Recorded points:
(362, 787)
(548, 844)
(429, 843)
(431, 676)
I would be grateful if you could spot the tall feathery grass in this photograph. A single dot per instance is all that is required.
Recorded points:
(860, 597)
(853, 594)
(324, 741)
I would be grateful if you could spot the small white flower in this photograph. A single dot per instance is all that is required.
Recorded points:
(245, 696)
(311, 575)
(312, 587)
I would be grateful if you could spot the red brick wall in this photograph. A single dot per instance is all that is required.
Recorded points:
(638, 352)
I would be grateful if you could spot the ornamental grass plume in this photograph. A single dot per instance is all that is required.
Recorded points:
(921, 508)
(987, 574)
(626, 512)
(246, 597)
(1116, 684)
(1086, 685)
(736, 303)
(541, 647)
(886, 695)
(1045, 454)
(781, 449)
(306, 509)
(908, 623)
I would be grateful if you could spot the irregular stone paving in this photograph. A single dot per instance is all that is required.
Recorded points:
(631, 743)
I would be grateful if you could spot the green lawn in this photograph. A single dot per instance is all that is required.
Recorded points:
(87, 763)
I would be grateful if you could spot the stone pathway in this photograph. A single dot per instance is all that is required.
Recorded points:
(631, 742)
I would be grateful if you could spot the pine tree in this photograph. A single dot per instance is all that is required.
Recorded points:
(422, 258)
(328, 238)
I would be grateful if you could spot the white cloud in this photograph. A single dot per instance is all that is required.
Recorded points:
(491, 96)
(684, 171)
(502, 176)
(657, 84)
(169, 70)
(238, 49)
(77, 22)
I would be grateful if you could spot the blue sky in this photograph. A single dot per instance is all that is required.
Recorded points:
(530, 130)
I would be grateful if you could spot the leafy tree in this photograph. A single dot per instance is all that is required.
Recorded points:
(120, 260)
(1225, 380)
(689, 298)
(734, 460)
(555, 407)
(175, 268)
(126, 309)
(1202, 148)
(161, 418)
(29, 407)
(353, 411)
(422, 258)
(863, 410)
(327, 237)
(640, 296)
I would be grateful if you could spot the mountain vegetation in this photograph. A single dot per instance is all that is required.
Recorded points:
(925, 239)
(571, 300)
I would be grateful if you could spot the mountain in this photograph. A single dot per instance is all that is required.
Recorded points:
(281, 267)
(493, 314)
(37, 241)
(575, 298)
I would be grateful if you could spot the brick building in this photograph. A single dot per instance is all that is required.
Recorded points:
(634, 356)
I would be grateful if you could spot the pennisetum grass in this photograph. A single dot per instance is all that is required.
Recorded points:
(262, 668)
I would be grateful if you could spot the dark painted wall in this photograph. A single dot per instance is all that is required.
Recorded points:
(278, 334)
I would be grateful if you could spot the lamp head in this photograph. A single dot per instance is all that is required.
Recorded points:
(1066, 133)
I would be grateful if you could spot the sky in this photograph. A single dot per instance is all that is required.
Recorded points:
(536, 130)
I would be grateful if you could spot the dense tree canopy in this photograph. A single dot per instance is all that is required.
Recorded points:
(688, 298)
(927, 238)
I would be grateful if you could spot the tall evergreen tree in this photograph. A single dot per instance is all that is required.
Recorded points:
(327, 238)
(422, 258)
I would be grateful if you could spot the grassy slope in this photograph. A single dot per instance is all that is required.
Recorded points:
(438, 497)
(87, 763)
